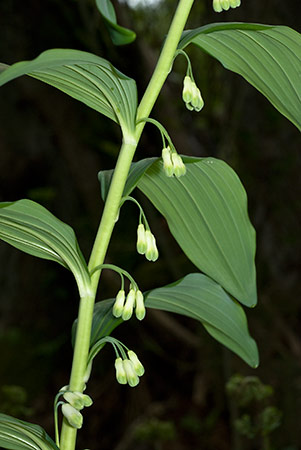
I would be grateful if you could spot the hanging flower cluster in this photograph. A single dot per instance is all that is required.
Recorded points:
(75, 402)
(124, 306)
(192, 95)
(146, 243)
(172, 163)
(220, 5)
(128, 370)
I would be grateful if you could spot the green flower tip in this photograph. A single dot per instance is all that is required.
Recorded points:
(73, 416)
(140, 308)
(146, 243)
(191, 95)
(129, 305)
(139, 369)
(177, 168)
(78, 400)
(220, 5)
(129, 370)
(119, 304)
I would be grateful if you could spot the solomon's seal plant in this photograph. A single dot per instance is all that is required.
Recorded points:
(202, 200)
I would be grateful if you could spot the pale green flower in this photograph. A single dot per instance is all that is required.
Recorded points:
(73, 416)
(139, 369)
(131, 375)
(187, 89)
(141, 239)
(197, 101)
(119, 304)
(220, 5)
(129, 305)
(140, 308)
(179, 166)
(120, 372)
(78, 400)
(167, 162)
(151, 253)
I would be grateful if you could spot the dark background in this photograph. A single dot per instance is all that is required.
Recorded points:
(51, 148)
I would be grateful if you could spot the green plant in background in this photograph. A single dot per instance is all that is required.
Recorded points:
(202, 200)
(258, 417)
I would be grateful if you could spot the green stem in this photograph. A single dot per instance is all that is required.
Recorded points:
(102, 240)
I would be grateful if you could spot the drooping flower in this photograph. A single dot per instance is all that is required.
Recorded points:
(167, 162)
(78, 400)
(139, 369)
(151, 253)
(129, 305)
(179, 166)
(141, 239)
(73, 416)
(119, 304)
(131, 375)
(192, 95)
(220, 5)
(140, 308)
(120, 372)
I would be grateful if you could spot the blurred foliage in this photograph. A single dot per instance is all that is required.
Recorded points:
(51, 149)
(256, 416)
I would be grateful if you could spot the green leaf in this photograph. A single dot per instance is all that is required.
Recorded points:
(119, 35)
(136, 172)
(85, 77)
(16, 434)
(200, 298)
(268, 57)
(31, 228)
(206, 211)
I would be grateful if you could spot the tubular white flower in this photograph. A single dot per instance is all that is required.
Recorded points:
(220, 5)
(129, 305)
(140, 308)
(167, 162)
(187, 89)
(131, 375)
(119, 304)
(179, 166)
(151, 253)
(120, 372)
(78, 400)
(73, 416)
(139, 369)
(197, 100)
(141, 239)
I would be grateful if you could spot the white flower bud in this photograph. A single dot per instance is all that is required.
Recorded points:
(78, 400)
(167, 163)
(179, 166)
(141, 240)
(129, 305)
(187, 89)
(140, 308)
(139, 369)
(73, 416)
(151, 253)
(120, 372)
(217, 6)
(119, 304)
(131, 375)
(225, 4)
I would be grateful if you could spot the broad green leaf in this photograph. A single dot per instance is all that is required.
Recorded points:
(31, 228)
(85, 77)
(206, 211)
(200, 298)
(119, 35)
(268, 57)
(16, 434)
(136, 172)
